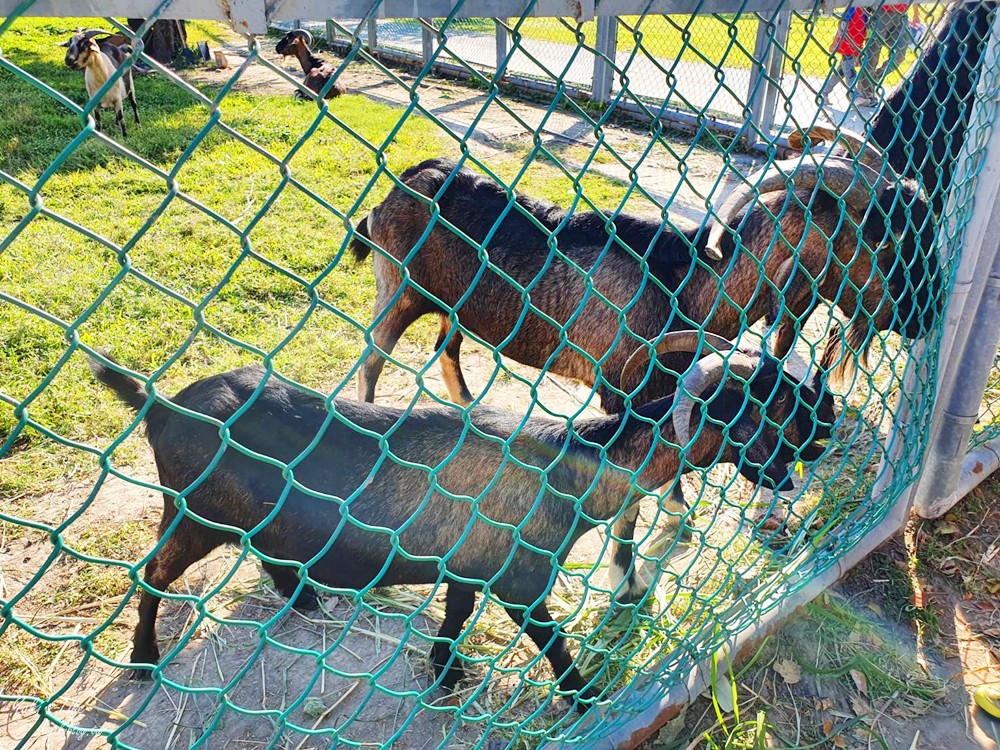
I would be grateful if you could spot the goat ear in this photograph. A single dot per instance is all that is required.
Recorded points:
(65, 44)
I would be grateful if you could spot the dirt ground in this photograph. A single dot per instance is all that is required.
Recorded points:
(941, 613)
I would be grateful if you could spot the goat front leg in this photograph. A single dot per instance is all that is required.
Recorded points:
(130, 91)
(621, 574)
(445, 659)
(451, 368)
(796, 290)
(120, 118)
(640, 578)
(287, 583)
(97, 119)
(544, 632)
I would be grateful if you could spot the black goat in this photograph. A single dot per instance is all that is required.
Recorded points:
(527, 489)
(99, 60)
(922, 126)
(298, 44)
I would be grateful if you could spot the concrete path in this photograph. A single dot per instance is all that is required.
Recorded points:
(685, 86)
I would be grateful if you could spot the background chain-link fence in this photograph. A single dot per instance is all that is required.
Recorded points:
(216, 235)
(773, 69)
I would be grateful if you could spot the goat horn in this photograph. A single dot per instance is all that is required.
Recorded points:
(91, 33)
(706, 373)
(856, 144)
(307, 35)
(840, 177)
(672, 341)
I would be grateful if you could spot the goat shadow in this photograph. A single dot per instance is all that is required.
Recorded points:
(373, 671)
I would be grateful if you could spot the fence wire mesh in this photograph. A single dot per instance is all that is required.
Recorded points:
(217, 234)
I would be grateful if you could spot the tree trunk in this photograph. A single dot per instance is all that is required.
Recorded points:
(164, 41)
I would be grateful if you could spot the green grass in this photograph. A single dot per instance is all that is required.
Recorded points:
(57, 269)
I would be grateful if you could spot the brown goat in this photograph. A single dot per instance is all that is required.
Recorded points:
(594, 300)
(298, 43)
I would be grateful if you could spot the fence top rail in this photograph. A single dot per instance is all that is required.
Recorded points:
(254, 16)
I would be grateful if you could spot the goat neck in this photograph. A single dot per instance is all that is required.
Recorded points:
(307, 59)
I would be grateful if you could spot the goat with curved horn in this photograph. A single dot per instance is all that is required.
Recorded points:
(853, 181)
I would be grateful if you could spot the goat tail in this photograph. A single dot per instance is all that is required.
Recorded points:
(129, 390)
(360, 249)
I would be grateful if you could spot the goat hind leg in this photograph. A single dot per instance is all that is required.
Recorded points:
(188, 544)
(131, 100)
(458, 606)
(385, 335)
(287, 582)
(451, 368)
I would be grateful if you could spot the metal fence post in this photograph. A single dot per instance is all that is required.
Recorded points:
(606, 46)
(765, 76)
(972, 324)
(372, 34)
(426, 40)
(501, 38)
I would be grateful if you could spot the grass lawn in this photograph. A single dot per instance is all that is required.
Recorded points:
(255, 293)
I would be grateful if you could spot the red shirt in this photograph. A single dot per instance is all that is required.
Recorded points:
(855, 35)
(898, 8)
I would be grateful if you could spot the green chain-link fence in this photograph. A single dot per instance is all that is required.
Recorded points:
(216, 235)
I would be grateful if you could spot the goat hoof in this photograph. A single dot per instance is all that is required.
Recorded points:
(629, 593)
(140, 675)
(306, 601)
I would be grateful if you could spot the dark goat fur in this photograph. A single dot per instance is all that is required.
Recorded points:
(317, 71)
(446, 266)
(345, 468)
(933, 105)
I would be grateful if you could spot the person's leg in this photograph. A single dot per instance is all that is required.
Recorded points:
(867, 79)
(848, 71)
(896, 40)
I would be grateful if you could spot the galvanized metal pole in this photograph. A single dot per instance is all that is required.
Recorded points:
(972, 325)
(426, 40)
(765, 76)
(372, 34)
(501, 40)
(606, 46)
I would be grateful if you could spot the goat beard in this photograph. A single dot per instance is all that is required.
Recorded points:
(845, 349)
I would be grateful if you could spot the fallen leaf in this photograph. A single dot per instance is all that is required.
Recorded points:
(827, 727)
(839, 741)
(950, 517)
(993, 587)
(993, 632)
(313, 707)
(861, 708)
(946, 528)
(949, 567)
(860, 681)
(876, 609)
(789, 670)
(855, 637)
